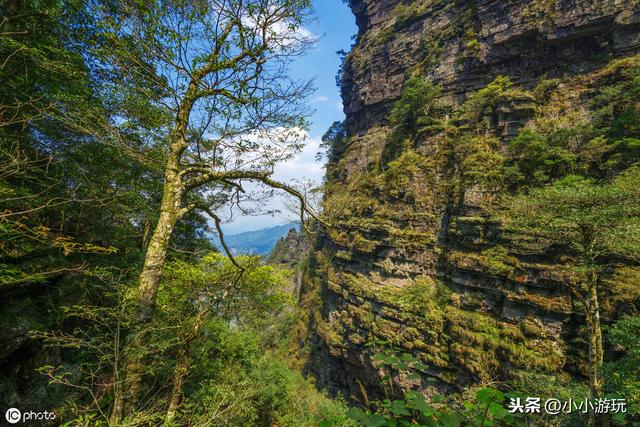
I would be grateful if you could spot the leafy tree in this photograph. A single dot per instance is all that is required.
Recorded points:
(208, 350)
(623, 374)
(593, 224)
(483, 103)
(63, 193)
(193, 293)
(411, 114)
(599, 145)
(68, 203)
(221, 69)
(333, 141)
(342, 55)
(237, 380)
(534, 162)
(39, 75)
(416, 105)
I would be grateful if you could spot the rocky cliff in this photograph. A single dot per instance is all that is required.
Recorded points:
(415, 259)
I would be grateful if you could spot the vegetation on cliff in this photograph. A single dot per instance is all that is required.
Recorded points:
(479, 240)
(558, 198)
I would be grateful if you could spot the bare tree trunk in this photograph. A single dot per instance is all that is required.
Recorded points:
(595, 344)
(596, 353)
(179, 373)
(183, 363)
(149, 282)
(118, 405)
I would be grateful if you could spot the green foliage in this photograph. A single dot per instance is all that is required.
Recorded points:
(478, 161)
(593, 219)
(499, 261)
(416, 104)
(486, 409)
(621, 292)
(545, 88)
(232, 328)
(415, 109)
(403, 178)
(404, 15)
(569, 173)
(334, 141)
(484, 101)
(214, 277)
(623, 373)
(616, 101)
(593, 223)
(66, 197)
(74, 210)
(597, 139)
(235, 382)
(74, 78)
(534, 162)
(85, 125)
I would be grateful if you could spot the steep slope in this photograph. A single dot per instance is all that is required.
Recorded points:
(416, 259)
(258, 242)
(290, 249)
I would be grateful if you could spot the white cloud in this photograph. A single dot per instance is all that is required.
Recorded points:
(321, 99)
(306, 33)
(282, 34)
(301, 167)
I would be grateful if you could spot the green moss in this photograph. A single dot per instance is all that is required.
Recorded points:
(495, 261)
(419, 315)
(498, 261)
(545, 88)
(551, 304)
(462, 29)
(482, 343)
(345, 255)
(531, 327)
(541, 12)
(360, 243)
(622, 292)
(404, 15)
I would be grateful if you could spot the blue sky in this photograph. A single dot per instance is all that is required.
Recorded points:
(334, 28)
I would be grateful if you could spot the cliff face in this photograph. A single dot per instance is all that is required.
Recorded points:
(287, 253)
(407, 264)
(464, 44)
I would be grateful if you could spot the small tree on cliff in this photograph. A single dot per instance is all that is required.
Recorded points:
(220, 67)
(594, 224)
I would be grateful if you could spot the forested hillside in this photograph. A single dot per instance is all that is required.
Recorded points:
(477, 245)
(258, 242)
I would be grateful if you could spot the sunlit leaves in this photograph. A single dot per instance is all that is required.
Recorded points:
(595, 219)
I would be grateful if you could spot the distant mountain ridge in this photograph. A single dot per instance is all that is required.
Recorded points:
(258, 242)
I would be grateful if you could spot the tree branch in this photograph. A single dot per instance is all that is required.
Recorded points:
(218, 221)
